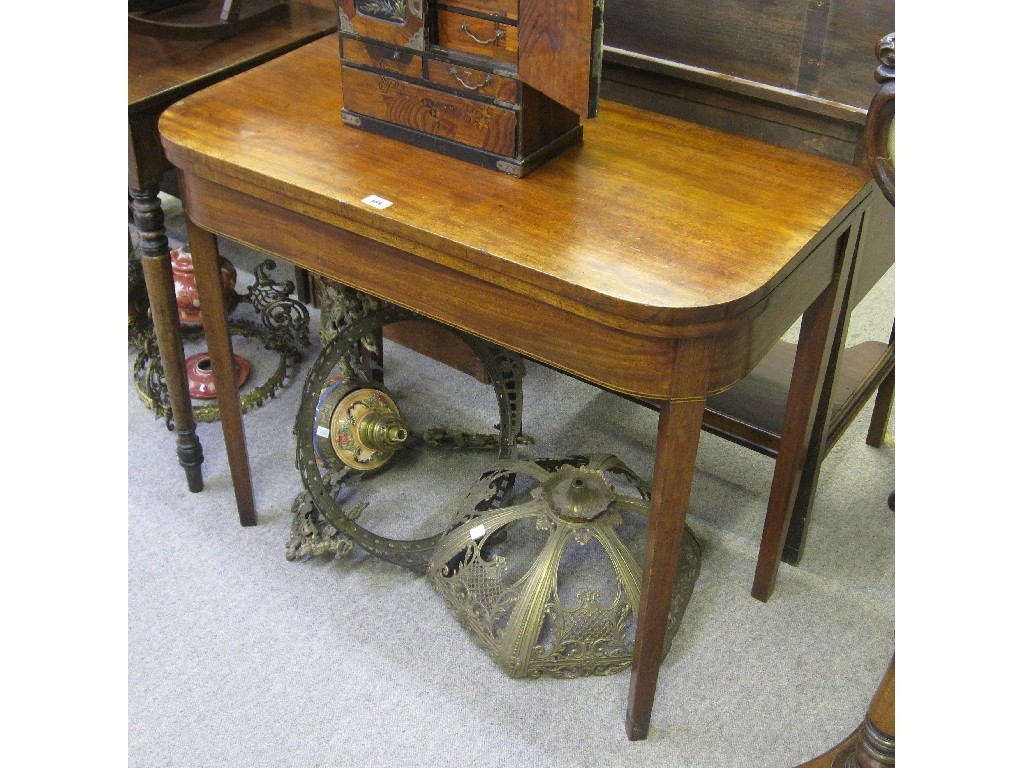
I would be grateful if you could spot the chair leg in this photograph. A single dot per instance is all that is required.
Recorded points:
(883, 401)
(880, 413)
(799, 459)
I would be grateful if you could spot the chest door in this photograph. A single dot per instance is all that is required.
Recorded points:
(560, 45)
(399, 22)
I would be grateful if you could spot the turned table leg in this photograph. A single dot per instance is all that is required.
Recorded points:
(156, 266)
(218, 338)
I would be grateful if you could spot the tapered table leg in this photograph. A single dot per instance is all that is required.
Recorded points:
(679, 425)
(218, 339)
(801, 447)
(156, 266)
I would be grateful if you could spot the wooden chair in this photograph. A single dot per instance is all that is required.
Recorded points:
(873, 743)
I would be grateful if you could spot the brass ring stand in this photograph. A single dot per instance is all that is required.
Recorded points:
(283, 328)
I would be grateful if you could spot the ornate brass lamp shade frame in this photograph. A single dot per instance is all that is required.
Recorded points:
(520, 577)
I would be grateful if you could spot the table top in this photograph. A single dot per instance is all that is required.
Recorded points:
(652, 218)
(162, 70)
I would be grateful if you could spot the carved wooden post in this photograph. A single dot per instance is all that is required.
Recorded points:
(876, 746)
(873, 744)
(156, 267)
(878, 145)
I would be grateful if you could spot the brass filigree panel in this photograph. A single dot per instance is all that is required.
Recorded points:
(549, 582)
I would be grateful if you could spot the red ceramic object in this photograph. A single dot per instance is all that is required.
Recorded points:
(200, 375)
(185, 285)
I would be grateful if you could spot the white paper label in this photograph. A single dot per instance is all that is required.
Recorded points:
(323, 432)
(377, 202)
(477, 533)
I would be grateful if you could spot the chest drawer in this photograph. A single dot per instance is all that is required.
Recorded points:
(466, 121)
(492, 39)
(471, 80)
(384, 57)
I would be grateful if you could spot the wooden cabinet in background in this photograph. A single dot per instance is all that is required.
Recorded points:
(795, 73)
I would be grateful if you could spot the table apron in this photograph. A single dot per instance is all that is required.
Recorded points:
(619, 360)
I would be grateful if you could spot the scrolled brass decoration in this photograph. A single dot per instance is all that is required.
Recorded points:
(312, 535)
(283, 328)
(550, 583)
(340, 306)
(285, 319)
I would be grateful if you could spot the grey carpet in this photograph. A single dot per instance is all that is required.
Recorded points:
(238, 657)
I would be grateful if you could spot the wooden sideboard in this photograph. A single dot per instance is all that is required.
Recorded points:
(796, 73)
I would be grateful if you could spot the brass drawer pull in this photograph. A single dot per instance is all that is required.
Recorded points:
(499, 34)
(455, 73)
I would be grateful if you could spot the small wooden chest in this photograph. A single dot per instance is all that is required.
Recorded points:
(500, 83)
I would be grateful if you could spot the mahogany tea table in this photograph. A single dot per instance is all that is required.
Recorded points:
(658, 259)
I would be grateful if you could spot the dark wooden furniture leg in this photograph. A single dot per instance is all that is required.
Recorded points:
(883, 404)
(817, 447)
(218, 339)
(679, 427)
(156, 266)
(801, 448)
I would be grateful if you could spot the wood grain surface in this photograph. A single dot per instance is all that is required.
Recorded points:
(161, 69)
(651, 220)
